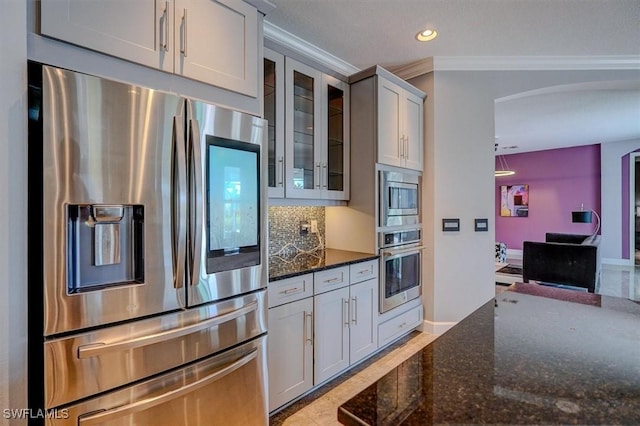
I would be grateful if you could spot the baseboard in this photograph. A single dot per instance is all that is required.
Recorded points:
(436, 327)
(514, 254)
(620, 262)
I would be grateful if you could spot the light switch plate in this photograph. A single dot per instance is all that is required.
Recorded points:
(481, 225)
(450, 225)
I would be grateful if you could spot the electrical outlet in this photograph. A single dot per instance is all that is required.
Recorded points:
(304, 227)
(314, 226)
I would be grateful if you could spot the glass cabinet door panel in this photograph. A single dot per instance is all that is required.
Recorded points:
(303, 131)
(274, 113)
(335, 132)
(270, 116)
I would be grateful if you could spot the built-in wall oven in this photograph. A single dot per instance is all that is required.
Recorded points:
(401, 260)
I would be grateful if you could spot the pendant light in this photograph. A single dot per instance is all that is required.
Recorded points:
(503, 169)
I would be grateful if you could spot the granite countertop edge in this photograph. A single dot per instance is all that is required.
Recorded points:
(339, 258)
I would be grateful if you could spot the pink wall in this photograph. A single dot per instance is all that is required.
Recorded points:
(559, 180)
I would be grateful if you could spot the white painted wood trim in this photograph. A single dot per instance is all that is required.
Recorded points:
(529, 63)
(291, 41)
(436, 327)
(620, 262)
(516, 63)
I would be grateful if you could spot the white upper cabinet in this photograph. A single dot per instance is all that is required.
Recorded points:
(335, 139)
(273, 112)
(317, 134)
(140, 31)
(400, 118)
(212, 41)
(413, 131)
(303, 133)
(217, 42)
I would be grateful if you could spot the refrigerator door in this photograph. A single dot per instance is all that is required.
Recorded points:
(228, 217)
(114, 210)
(86, 364)
(226, 390)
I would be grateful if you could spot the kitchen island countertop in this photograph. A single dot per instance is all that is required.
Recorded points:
(287, 267)
(563, 358)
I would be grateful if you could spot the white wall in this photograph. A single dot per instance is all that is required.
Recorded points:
(459, 182)
(13, 182)
(611, 179)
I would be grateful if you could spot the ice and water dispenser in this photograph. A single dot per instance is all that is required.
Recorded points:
(105, 246)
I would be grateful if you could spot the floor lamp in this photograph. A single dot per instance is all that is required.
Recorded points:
(586, 216)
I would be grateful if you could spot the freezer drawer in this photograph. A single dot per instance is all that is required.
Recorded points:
(226, 389)
(86, 364)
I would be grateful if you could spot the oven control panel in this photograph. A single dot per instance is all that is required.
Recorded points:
(390, 239)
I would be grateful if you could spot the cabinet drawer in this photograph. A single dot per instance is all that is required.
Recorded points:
(363, 271)
(290, 290)
(330, 279)
(398, 326)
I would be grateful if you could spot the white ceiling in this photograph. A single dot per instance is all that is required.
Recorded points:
(368, 32)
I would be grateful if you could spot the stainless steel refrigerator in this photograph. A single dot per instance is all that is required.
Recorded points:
(147, 256)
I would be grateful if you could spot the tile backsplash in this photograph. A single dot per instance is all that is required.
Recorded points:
(284, 228)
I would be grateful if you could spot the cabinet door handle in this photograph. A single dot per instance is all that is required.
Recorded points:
(354, 310)
(281, 169)
(326, 175)
(319, 175)
(366, 271)
(345, 311)
(308, 327)
(406, 151)
(401, 147)
(184, 33)
(291, 290)
(165, 15)
(333, 280)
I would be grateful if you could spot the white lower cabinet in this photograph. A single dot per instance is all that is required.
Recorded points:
(290, 351)
(331, 333)
(364, 319)
(344, 328)
(312, 339)
(390, 330)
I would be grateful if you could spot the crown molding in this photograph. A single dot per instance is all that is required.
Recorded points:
(535, 63)
(413, 69)
(516, 63)
(291, 41)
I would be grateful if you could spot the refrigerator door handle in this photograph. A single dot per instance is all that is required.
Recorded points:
(100, 348)
(179, 203)
(198, 213)
(108, 415)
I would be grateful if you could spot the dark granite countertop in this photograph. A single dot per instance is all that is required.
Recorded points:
(281, 268)
(530, 359)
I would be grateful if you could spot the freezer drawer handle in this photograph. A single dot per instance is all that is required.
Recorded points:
(97, 349)
(136, 407)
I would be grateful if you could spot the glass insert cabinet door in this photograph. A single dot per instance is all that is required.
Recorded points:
(335, 165)
(317, 136)
(273, 112)
(303, 109)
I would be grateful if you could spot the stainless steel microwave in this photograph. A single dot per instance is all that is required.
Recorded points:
(399, 198)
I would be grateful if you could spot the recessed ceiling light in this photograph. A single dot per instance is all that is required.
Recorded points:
(426, 35)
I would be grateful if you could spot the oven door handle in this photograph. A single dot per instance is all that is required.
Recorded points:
(101, 348)
(402, 251)
(136, 407)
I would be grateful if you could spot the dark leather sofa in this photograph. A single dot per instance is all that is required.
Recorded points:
(567, 259)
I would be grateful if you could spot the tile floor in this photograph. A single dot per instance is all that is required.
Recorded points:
(320, 407)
